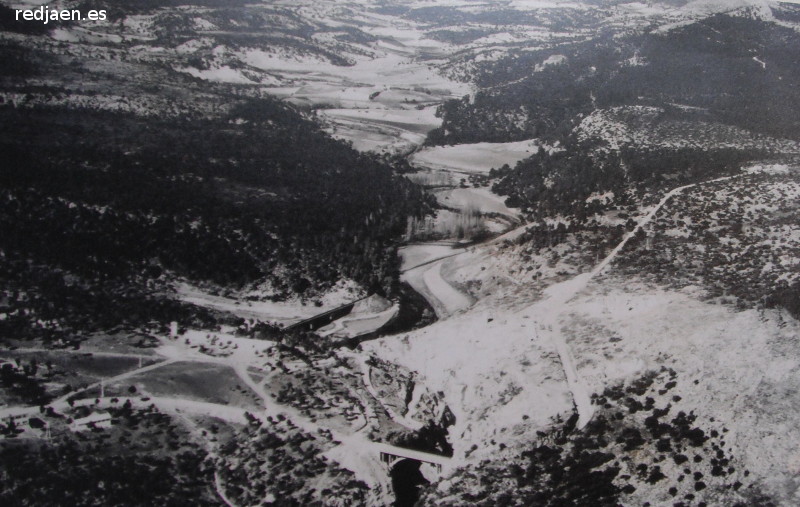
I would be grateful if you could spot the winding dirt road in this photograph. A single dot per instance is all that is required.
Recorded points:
(548, 311)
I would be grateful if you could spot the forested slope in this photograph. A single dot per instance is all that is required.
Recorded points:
(100, 207)
(739, 70)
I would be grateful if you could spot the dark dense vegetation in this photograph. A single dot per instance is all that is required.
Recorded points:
(99, 209)
(636, 439)
(287, 467)
(718, 53)
(9, 23)
(272, 192)
(547, 184)
(788, 297)
(42, 477)
(22, 383)
(744, 73)
(127, 465)
(728, 237)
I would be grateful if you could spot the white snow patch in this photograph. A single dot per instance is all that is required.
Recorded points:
(767, 169)
(481, 199)
(474, 158)
(285, 312)
(551, 60)
(222, 74)
(366, 317)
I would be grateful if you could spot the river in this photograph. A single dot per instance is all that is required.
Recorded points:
(387, 104)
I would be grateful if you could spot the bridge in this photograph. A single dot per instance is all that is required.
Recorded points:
(324, 318)
(391, 455)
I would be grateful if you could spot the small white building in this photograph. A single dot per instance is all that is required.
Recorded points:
(95, 420)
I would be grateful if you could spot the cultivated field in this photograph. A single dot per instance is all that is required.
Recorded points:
(473, 158)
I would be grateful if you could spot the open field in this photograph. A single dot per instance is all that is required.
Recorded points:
(210, 383)
(120, 343)
(376, 129)
(351, 87)
(481, 199)
(418, 121)
(474, 158)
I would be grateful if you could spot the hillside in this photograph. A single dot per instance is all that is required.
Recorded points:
(401, 252)
(119, 171)
(742, 73)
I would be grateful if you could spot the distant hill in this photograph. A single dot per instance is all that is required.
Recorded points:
(743, 71)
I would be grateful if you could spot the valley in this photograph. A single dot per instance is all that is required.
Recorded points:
(398, 253)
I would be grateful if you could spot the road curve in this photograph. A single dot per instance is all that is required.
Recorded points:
(549, 310)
